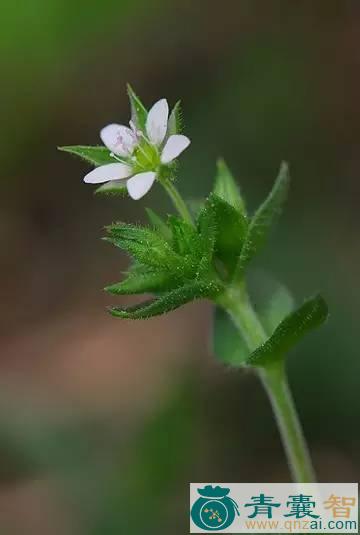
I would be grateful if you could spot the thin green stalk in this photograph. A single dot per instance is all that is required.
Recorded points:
(273, 377)
(237, 303)
(177, 200)
(275, 382)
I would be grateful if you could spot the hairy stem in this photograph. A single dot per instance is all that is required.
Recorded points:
(273, 377)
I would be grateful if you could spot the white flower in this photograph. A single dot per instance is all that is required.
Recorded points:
(139, 154)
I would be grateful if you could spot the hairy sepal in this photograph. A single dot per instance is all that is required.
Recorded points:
(97, 155)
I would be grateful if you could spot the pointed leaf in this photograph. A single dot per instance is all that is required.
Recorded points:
(140, 283)
(167, 302)
(230, 229)
(95, 155)
(306, 318)
(227, 343)
(207, 229)
(145, 245)
(273, 303)
(226, 187)
(138, 110)
(185, 239)
(263, 220)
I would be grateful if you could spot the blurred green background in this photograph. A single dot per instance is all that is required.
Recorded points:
(104, 423)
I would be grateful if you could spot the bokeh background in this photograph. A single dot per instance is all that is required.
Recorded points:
(103, 423)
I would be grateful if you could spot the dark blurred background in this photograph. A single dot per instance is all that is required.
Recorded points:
(103, 423)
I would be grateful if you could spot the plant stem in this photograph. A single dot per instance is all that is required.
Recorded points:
(273, 377)
(177, 200)
(276, 384)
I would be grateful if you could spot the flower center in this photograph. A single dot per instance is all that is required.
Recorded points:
(145, 157)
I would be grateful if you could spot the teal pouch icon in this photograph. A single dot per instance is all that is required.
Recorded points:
(214, 510)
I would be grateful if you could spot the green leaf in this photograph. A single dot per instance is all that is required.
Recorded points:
(140, 283)
(227, 343)
(138, 110)
(290, 331)
(230, 229)
(175, 120)
(145, 245)
(185, 239)
(159, 224)
(168, 302)
(113, 188)
(226, 187)
(273, 303)
(95, 155)
(263, 220)
(207, 229)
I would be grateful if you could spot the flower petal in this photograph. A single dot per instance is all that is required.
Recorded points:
(121, 140)
(174, 146)
(105, 173)
(138, 185)
(156, 122)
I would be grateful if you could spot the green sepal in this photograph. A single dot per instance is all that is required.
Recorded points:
(168, 301)
(263, 219)
(175, 120)
(290, 331)
(226, 187)
(114, 188)
(97, 155)
(138, 111)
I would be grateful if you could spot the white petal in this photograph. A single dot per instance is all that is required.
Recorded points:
(138, 185)
(121, 140)
(156, 122)
(105, 173)
(174, 146)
